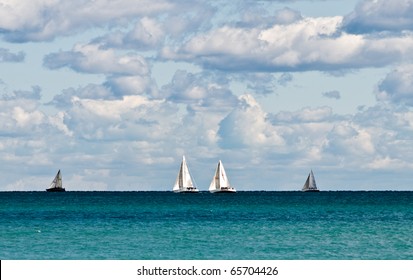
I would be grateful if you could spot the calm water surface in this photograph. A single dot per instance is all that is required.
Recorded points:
(245, 225)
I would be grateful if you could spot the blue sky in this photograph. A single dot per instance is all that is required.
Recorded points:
(113, 93)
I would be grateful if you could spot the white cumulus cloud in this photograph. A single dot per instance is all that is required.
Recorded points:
(248, 126)
(41, 20)
(307, 44)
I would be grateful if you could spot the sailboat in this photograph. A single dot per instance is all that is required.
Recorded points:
(56, 185)
(183, 183)
(220, 182)
(310, 185)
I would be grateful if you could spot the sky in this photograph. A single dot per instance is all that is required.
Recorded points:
(114, 93)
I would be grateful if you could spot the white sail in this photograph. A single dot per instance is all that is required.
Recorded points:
(220, 182)
(183, 182)
(310, 184)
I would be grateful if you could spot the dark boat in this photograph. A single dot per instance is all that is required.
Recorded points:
(310, 185)
(56, 185)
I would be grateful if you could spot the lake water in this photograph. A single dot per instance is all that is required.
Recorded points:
(245, 225)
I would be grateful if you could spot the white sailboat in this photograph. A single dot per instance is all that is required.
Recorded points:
(220, 182)
(184, 183)
(56, 185)
(310, 185)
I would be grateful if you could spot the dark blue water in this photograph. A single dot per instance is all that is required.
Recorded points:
(245, 225)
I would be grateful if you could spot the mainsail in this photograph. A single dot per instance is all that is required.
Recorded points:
(183, 181)
(220, 182)
(310, 184)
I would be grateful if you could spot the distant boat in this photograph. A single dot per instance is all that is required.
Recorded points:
(310, 185)
(183, 183)
(220, 182)
(56, 185)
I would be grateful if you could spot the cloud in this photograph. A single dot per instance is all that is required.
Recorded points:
(308, 44)
(318, 137)
(151, 33)
(7, 56)
(34, 94)
(284, 79)
(138, 131)
(248, 126)
(126, 133)
(386, 163)
(126, 74)
(380, 15)
(209, 126)
(206, 89)
(45, 20)
(130, 85)
(304, 115)
(104, 139)
(150, 128)
(261, 83)
(335, 94)
(390, 128)
(287, 16)
(349, 138)
(260, 17)
(258, 83)
(397, 86)
(92, 58)
(42, 20)
(91, 91)
(20, 112)
(148, 34)
(29, 137)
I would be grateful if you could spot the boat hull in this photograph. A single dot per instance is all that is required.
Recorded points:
(56, 190)
(187, 191)
(311, 190)
(224, 191)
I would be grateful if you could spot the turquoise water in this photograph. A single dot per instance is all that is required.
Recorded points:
(245, 225)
